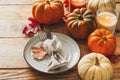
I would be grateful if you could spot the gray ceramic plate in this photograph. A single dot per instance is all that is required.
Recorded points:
(70, 51)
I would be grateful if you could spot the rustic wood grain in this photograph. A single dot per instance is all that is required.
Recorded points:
(13, 17)
(11, 12)
(12, 28)
(16, 1)
(11, 52)
(118, 8)
(31, 74)
(24, 1)
(117, 1)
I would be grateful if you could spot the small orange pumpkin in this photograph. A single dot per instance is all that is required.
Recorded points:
(102, 41)
(48, 12)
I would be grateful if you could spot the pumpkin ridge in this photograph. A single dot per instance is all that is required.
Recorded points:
(95, 5)
(93, 75)
(105, 6)
(92, 7)
(86, 63)
(101, 73)
(72, 15)
(112, 42)
(34, 8)
(89, 22)
(106, 71)
(83, 67)
(88, 12)
(38, 11)
(91, 60)
(55, 9)
(77, 11)
(112, 4)
(93, 71)
(82, 11)
(98, 4)
(109, 71)
(90, 17)
(89, 3)
(96, 68)
(75, 24)
(72, 18)
(57, 2)
(47, 10)
(85, 73)
(69, 24)
(108, 48)
(110, 36)
(60, 6)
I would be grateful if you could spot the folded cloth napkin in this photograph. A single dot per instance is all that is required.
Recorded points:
(53, 47)
(57, 61)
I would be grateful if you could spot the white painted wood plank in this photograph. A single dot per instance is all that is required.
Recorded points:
(23, 1)
(12, 28)
(13, 18)
(10, 12)
(11, 52)
(17, 1)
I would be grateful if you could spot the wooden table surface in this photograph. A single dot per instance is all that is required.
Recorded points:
(13, 17)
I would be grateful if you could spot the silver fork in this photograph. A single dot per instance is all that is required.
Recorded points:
(44, 33)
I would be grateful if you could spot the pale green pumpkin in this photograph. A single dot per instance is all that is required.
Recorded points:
(95, 66)
(106, 5)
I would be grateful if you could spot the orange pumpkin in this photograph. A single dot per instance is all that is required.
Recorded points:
(80, 23)
(102, 41)
(48, 12)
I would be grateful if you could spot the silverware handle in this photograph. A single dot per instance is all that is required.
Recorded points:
(47, 32)
(42, 26)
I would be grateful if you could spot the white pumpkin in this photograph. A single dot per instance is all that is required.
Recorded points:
(106, 5)
(95, 67)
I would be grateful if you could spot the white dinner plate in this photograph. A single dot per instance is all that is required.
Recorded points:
(70, 51)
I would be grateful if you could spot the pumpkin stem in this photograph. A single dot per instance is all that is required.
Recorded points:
(80, 17)
(104, 37)
(97, 62)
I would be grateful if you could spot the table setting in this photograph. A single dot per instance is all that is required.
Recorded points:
(60, 39)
